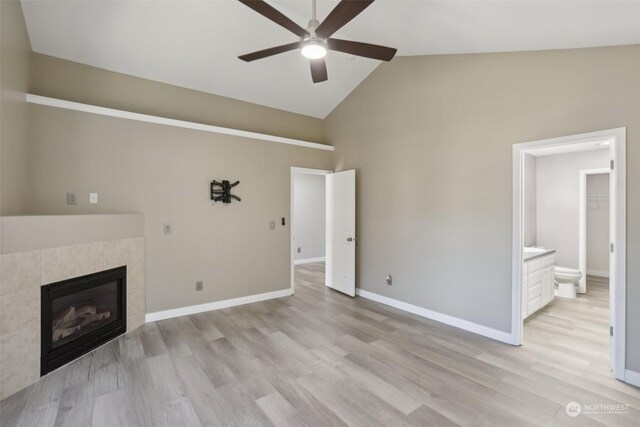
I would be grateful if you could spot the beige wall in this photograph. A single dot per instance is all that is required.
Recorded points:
(431, 139)
(164, 173)
(558, 207)
(15, 51)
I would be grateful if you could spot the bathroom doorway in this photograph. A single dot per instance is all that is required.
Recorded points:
(536, 280)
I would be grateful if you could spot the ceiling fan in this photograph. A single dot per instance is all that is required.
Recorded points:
(316, 39)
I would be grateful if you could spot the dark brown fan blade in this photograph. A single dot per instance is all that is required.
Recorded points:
(273, 14)
(367, 50)
(344, 12)
(269, 52)
(318, 70)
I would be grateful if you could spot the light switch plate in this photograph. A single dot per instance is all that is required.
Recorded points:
(168, 228)
(93, 198)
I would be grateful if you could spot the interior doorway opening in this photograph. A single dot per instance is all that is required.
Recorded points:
(550, 270)
(594, 224)
(308, 222)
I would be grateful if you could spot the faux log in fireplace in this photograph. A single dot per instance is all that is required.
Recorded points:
(80, 314)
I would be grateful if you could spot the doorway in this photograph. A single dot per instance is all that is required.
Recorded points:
(615, 141)
(308, 223)
(594, 209)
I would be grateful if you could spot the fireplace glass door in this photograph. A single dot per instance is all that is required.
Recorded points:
(80, 314)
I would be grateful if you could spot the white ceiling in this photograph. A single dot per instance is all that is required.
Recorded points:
(196, 44)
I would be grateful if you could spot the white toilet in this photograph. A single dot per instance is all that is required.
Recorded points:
(567, 279)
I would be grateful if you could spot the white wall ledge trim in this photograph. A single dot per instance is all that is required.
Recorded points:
(94, 109)
(216, 305)
(495, 334)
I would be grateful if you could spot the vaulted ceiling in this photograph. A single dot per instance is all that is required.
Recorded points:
(195, 44)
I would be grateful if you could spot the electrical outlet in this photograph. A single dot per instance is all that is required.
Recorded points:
(389, 280)
(71, 199)
(272, 225)
(299, 250)
(93, 198)
(199, 285)
(168, 228)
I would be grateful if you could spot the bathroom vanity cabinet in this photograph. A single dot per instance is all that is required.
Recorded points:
(537, 281)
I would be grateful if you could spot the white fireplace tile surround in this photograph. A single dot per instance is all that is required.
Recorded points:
(57, 264)
(18, 309)
(19, 271)
(89, 258)
(115, 253)
(23, 273)
(20, 354)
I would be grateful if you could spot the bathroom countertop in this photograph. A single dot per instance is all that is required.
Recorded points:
(533, 253)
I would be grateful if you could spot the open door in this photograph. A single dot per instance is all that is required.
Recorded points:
(341, 232)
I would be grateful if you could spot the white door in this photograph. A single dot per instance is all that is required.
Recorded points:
(341, 232)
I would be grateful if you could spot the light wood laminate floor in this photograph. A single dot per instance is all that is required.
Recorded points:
(320, 358)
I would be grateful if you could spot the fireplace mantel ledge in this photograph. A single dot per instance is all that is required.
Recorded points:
(32, 232)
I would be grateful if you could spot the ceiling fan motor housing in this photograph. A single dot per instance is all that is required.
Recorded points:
(311, 27)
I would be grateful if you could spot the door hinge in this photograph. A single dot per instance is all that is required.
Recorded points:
(611, 164)
(611, 330)
(611, 248)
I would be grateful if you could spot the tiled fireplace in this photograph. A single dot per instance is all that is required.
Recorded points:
(27, 275)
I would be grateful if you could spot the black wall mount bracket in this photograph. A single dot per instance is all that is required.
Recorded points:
(221, 191)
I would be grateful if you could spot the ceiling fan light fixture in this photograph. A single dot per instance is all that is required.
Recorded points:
(316, 40)
(314, 48)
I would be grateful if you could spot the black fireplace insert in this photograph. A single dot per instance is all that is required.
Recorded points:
(80, 314)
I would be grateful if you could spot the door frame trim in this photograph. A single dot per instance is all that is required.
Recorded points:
(295, 170)
(618, 268)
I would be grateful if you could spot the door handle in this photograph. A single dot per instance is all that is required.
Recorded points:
(351, 239)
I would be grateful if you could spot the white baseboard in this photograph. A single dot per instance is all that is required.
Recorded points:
(216, 305)
(632, 377)
(495, 334)
(598, 273)
(309, 260)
